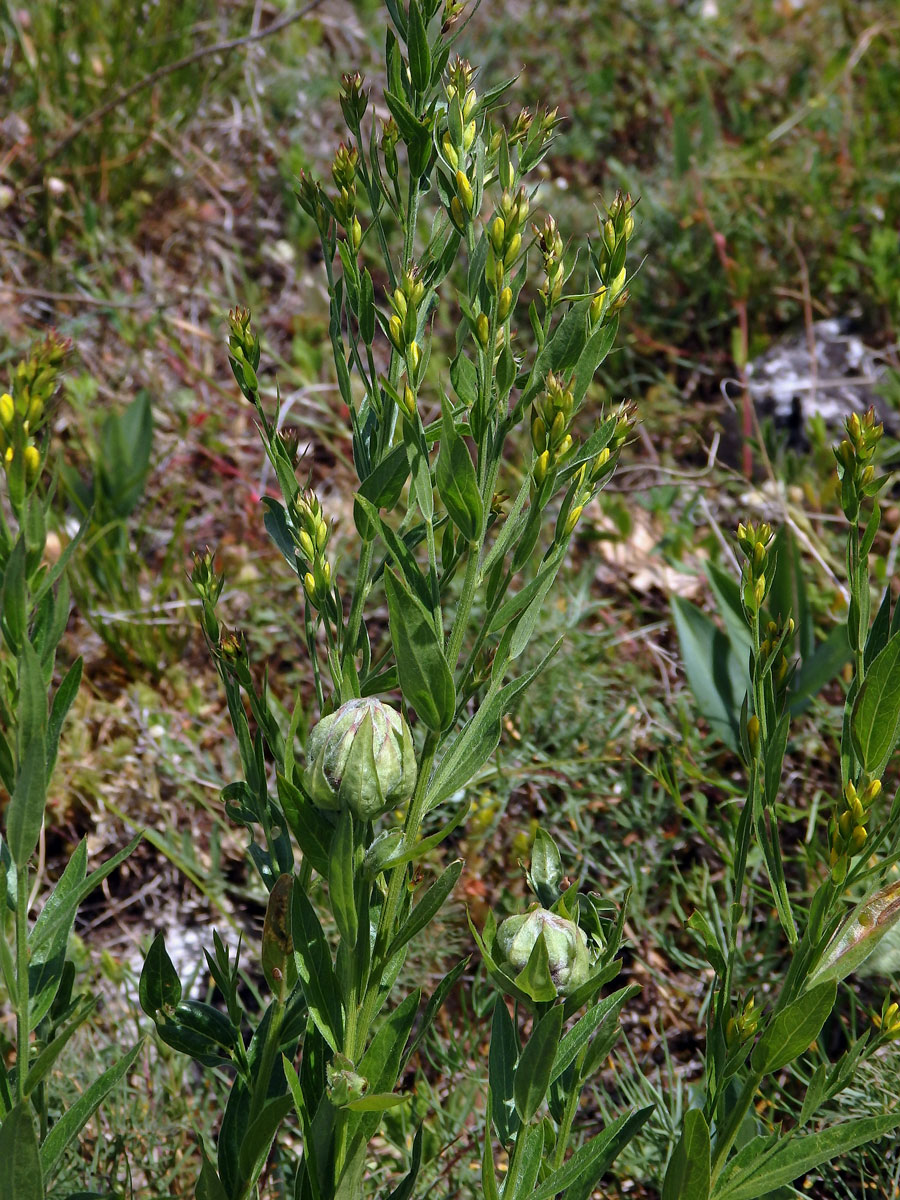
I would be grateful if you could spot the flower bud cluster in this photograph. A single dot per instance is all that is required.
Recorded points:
(208, 584)
(754, 541)
(243, 346)
(354, 100)
(742, 1027)
(390, 136)
(551, 417)
(854, 456)
(848, 827)
(771, 647)
(887, 1022)
(309, 530)
(23, 409)
(404, 322)
(593, 474)
(343, 172)
(609, 259)
(550, 245)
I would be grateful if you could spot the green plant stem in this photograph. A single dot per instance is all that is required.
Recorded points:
(397, 882)
(267, 1059)
(354, 620)
(729, 1131)
(23, 1031)
(464, 606)
(565, 1126)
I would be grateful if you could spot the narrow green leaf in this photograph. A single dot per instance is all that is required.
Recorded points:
(425, 678)
(590, 1162)
(688, 1173)
(341, 894)
(316, 969)
(579, 1036)
(502, 1058)
(479, 738)
(419, 52)
(456, 481)
(795, 1156)
(257, 1141)
(791, 1031)
(25, 813)
(312, 831)
(427, 908)
(62, 702)
(277, 944)
(536, 1063)
(73, 1120)
(376, 1102)
(875, 720)
(209, 1186)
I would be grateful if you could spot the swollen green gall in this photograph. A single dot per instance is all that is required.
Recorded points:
(361, 757)
(567, 951)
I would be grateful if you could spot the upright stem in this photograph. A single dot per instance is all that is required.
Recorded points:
(23, 1031)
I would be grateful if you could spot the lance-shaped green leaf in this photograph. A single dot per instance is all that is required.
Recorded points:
(277, 943)
(160, 987)
(536, 1063)
(592, 1160)
(341, 891)
(479, 738)
(316, 970)
(581, 1033)
(311, 829)
(427, 908)
(417, 44)
(858, 936)
(793, 1157)
(688, 1173)
(791, 1031)
(425, 677)
(875, 720)
(502, 1058)
(456, 482)
(75, 1118)
(21, 1177)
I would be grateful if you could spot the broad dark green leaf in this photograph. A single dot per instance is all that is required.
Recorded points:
(21, 1177)
(545, 871)
(502, 1058)
(536, 1063)
(792, 1030)
(25, 813)
(209, 1186)
(875, 720)
(382, 488)
(425, 678)
(160, 987)
(688, 1173)
(464, 378)
(75, 1118)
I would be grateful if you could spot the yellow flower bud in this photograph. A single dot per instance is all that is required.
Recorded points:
(541, 467)
(32, 458)
(355, 235)
(395, 329)
(449, 153)
(482, 330)
(504, 303)
(468, 135)
(309, 586)
(307, 549)
(415, 356)
(498, 233)
(464, 191)
(753, 734)
(858, 839)
(409, 400)
(456, 212)
(515, 243)
(572, 519)
(7, 410)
